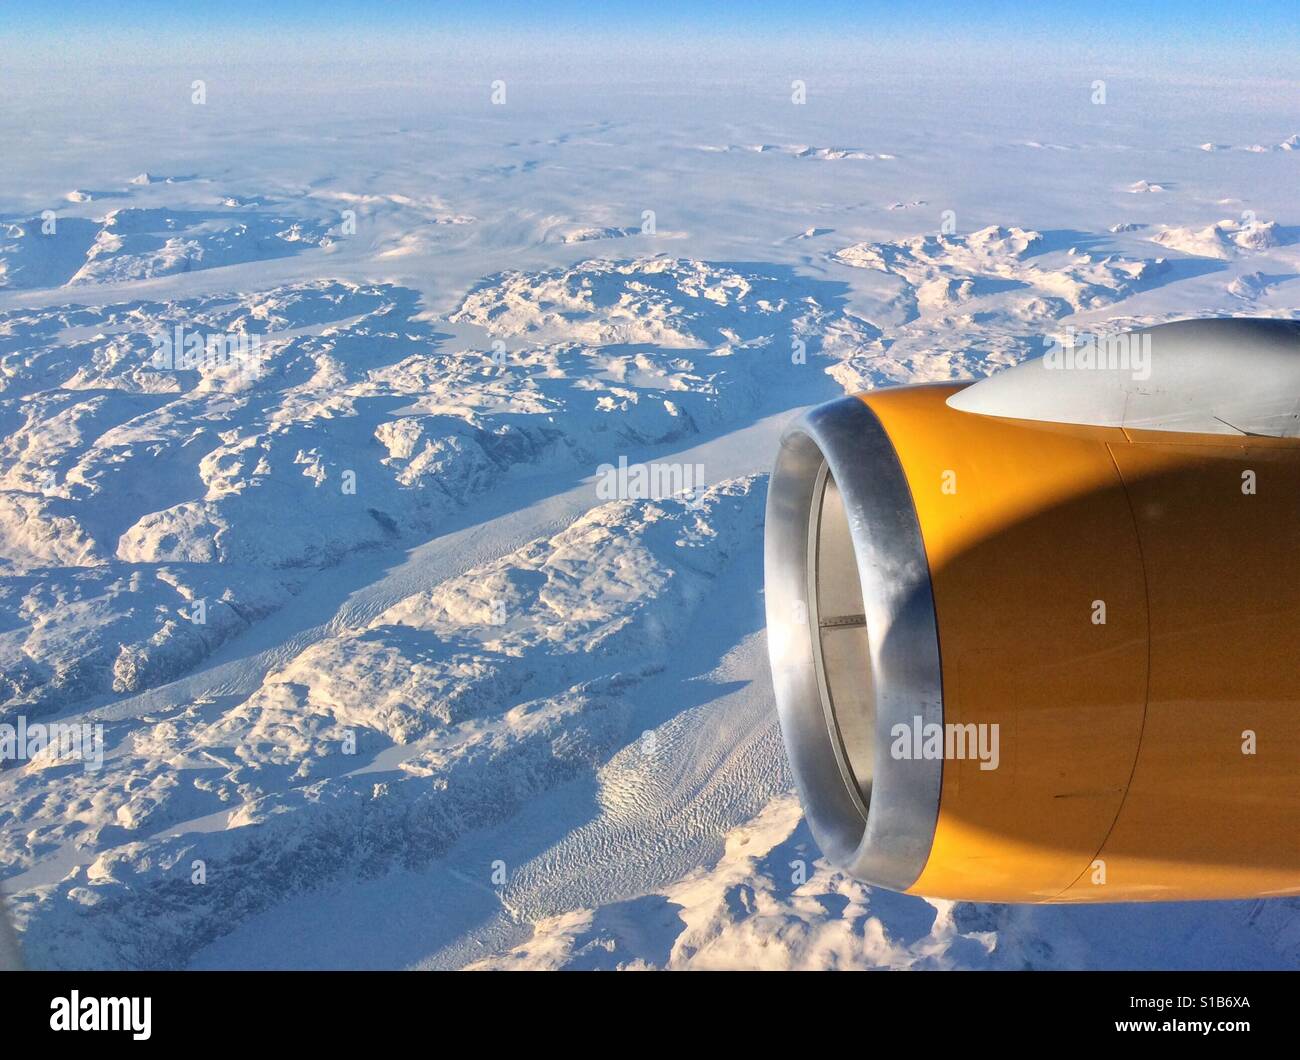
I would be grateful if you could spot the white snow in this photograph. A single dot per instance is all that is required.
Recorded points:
(373, 656)
(1223, 239)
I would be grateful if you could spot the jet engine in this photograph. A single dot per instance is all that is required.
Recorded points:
(1037, 638)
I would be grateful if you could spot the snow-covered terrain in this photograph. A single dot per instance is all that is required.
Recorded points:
(387, 676)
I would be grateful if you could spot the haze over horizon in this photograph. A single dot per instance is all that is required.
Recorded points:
(447, 704)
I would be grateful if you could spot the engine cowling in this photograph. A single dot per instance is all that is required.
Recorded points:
(1030, 660)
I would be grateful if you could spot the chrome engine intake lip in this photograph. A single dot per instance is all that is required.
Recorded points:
(845, 678)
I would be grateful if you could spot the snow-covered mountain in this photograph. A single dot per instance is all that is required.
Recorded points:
(308, 406)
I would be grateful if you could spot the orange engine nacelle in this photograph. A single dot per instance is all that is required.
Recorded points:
(1022, 661)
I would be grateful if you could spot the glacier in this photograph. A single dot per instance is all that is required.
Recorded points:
(385, 679)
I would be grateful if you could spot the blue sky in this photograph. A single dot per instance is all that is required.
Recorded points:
(1261, 36)
(1189, 19)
